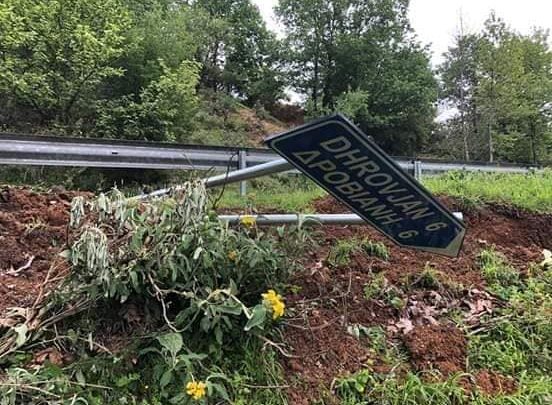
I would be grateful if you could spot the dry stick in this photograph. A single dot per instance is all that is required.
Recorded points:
(159, 296)
(30, 388)
(323, 326)
(19, 270)
(277, 346)
(268, 387)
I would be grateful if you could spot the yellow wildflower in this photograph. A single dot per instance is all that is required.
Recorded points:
(274, 302)
(248, 221)
(196, 389)
(233, 255)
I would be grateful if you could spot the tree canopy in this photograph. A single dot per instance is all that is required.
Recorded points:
(175, 71)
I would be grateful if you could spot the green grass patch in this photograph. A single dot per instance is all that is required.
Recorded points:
(367, 388)
(290, 194)
(518, 338)
(501, 277)
(531, 191)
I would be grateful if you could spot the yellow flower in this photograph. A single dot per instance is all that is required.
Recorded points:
(196, 389)
(274, 302)
(248, 221)
(233, 255)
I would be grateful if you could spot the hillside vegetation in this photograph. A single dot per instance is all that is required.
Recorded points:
(174, 71)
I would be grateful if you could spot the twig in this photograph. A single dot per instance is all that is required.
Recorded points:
(277, 346)
(159, 296)
(30, 388)
(325, 325)
(19, 270)
(268, 387)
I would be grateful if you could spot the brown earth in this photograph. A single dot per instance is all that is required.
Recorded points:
(259, 129)
(33, 230)
(492, 383)
(327, 302)
(329, 299)
(440, 347)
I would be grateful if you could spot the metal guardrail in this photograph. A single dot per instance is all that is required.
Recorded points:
(35, 150)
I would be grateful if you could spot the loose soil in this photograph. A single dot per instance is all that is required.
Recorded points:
(33, 230)
(438, 347)
(492, 383)
(326, 302)
(329, 299)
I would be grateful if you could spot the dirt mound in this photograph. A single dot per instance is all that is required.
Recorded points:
(257, 128)
(437, 347)
(492, 383)
(33, 230)
(330, 300)
(520, 235)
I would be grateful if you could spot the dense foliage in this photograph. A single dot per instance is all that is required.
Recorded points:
(159, 296)
(181, 71)
(500, 82)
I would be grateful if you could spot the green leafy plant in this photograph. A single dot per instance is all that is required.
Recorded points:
(376, 249)
(503, 279)
(198, 287)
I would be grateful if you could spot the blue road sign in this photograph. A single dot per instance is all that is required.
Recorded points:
(349, 165)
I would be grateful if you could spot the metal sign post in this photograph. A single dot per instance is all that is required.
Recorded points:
(340, 158)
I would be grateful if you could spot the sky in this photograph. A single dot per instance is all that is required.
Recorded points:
(436, 21)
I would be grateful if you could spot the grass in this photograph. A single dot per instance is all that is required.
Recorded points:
(289, 196)
(531, 191)
(293, 194)
(502, 279)
(367, 388)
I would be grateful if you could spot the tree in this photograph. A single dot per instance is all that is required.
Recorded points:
(160, 36)
(359, 56)
(240, 54)
(55, 54)
(501, 84)
(459, 81)
(164, 110)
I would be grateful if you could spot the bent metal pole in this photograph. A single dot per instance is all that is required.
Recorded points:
(310, 219)
(272, 167)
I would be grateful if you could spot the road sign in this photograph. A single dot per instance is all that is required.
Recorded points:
(349, 165)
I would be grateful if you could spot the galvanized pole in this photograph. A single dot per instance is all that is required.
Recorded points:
(312, 219)
(276, 166)
(242, 164)
(418, 170)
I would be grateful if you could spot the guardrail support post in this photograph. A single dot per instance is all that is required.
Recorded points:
(418, 170)
(242, 164)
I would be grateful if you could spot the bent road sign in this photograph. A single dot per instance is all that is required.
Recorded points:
(349, 165)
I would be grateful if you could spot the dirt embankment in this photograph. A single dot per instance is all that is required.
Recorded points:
(329, 300)
(327, 331)
(33, 230)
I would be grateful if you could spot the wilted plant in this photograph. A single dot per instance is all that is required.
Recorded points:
(200, 281)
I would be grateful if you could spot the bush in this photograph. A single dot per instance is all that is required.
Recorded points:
(165, 111)
(199, 290)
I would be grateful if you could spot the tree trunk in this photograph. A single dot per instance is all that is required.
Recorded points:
(315, 83)
(491, 145)
(532, 138)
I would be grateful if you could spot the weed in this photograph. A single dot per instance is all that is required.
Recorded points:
(428, 279)
(501, 277)
(376, 249)
(380, 288)
(367, 388)
(520, 337)
(340, 253)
